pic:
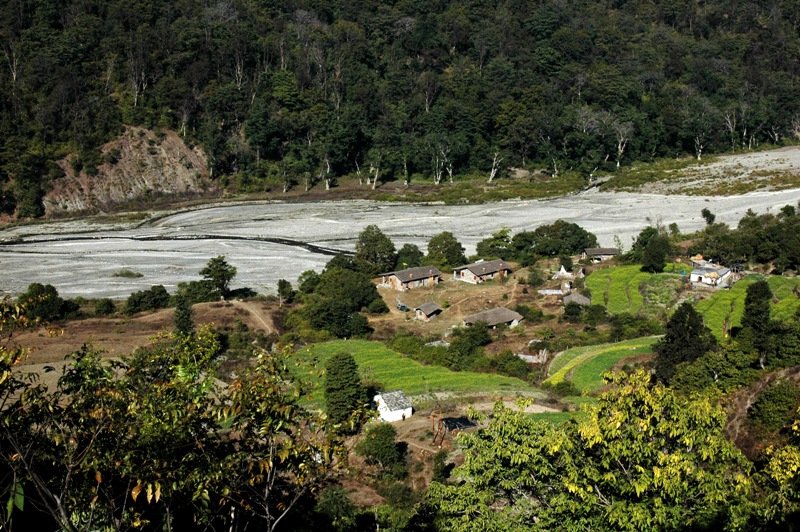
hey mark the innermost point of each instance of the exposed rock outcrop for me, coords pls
(140, 165)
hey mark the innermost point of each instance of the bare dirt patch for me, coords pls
(736, 173)
(116, 337)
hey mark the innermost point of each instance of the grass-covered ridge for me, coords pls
(394, 371)
(584, 366)
(723, 310)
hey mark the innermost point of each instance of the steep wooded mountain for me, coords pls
(287, 94)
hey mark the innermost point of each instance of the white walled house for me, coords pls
(716, 276)
(393, 406)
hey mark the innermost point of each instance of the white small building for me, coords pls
(716, 276)
(393, 406)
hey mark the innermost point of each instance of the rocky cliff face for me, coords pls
(139, 166)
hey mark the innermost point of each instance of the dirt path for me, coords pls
(259, 315)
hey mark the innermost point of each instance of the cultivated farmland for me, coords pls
(584, 366)
(723, 310)
(628, 289)
(394, 371)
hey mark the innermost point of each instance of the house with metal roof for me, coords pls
(482, 271)
(712, 275)
(578, 299)
(421, 276)
(426, 311)
(494, 317)
(393, 406)
(599, 254)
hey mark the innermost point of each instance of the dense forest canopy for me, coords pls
(302, 92)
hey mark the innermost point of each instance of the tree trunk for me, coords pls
(496, 160)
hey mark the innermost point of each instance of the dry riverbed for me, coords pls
(268, 241)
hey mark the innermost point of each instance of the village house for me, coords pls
(481, 271)
(578, 299)
(712, 275)
(393, 406)
(494, 317)
(599, 254)
(426, 311)
(708, 273)
(421, 276)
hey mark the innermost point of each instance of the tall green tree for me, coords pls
(444, 250)
(654, 254)
(756, 317)
(184, 320)
(344, 393)
(220, 274)
(409, 256)
(685, 340)
(375, 250)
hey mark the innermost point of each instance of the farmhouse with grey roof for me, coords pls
(426, 311)
(577, 299)
(494, 317)
(409, 278)
(481, 271)
(599, 254)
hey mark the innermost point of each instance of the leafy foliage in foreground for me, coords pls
(644, 458)
(155, 441)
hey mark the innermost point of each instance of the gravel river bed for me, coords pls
(268, 241)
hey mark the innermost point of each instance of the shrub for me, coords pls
(535, 278)
(774, 406)
(42, 302)
(104, 307)
(155, 297)
(441, 469)
(397, 494)
(406, 343)
(377, 306)
(531, 314)
(127, 274)
(563, 388)
(510, 364)
(198, 291)
(379, 447)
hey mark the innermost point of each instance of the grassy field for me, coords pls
(584, 366)
(393, 371)
(725, 307)
(628, 289)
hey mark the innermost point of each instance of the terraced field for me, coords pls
(724, 309)
(379, 364)
(619, 289)
(584, 366)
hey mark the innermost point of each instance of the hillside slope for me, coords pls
(140, 165)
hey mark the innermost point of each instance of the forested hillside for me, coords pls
(298, 93)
